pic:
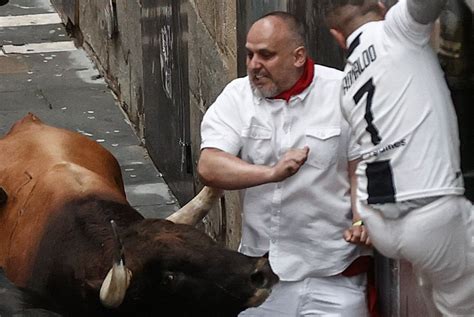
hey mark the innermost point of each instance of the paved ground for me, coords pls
(42, 72)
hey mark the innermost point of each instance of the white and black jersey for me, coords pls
(399, 107)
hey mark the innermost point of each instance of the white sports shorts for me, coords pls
(438, 240)
(333, 296)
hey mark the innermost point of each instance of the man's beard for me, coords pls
(267, 92)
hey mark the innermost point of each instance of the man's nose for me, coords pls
(253, 63)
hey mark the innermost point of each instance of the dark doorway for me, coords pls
(166, 100)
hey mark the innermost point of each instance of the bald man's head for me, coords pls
(275, 53)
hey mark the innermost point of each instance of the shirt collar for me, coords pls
(353, 39)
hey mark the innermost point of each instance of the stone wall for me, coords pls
(111, 31)
(212, 60)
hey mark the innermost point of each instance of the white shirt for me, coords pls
(398, 104)
(300, 220)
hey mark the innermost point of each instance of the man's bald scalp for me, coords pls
(295, 26)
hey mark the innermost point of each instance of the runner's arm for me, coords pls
(425, 11)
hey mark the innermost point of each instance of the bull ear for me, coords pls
(115, 285)
(198, 207)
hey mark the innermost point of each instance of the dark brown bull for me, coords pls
(60, 192)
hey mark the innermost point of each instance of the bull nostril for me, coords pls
(258, 279)
(3, 196)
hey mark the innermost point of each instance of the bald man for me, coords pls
(278, 136)
(410, 185)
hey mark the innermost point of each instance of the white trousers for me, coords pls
(438, 240)
(333, 296)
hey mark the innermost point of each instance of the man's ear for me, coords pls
(300, 56)
(339, 37)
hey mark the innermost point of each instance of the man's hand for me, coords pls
(289, 164)
(357, 234)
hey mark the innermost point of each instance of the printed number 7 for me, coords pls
(369, 89)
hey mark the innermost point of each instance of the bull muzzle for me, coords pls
(3, 197)
(262, 279)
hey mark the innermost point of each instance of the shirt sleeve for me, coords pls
(220, 127)
(399, 24)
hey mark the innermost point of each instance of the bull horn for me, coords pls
(115, 284)
(195, 210)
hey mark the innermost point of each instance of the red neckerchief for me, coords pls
(305, 80)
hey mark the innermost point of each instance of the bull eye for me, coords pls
(258, 279)
(168, 279)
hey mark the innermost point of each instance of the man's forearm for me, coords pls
(425, 11)
(352, 166)
(223, 170)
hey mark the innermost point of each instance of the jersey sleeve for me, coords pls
(399, 24)
(220, 127)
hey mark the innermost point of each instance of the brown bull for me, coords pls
(59, 191)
